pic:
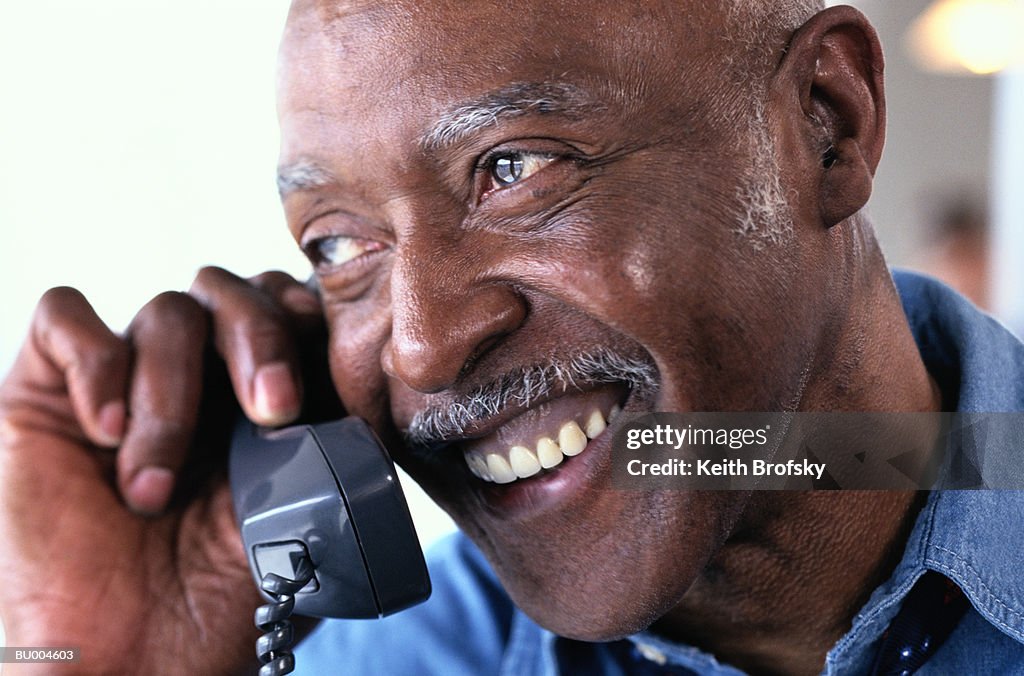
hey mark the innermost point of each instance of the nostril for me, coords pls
(480, 351)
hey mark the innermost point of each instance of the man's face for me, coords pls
(525, 213)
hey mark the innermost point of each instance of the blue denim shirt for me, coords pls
(975, 538)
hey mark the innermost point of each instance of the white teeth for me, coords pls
(523, 462)
(595, 424)
(571, 439)
(548, 453)
(471, 464)
(478, 466)
(501, 471)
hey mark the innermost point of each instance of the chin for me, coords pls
(615, 563)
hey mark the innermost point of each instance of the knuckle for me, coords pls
(172, 310)
(169, 425)
(65, 327)
(272, 279)
(157, 439)
(208, 279)
(57, 301)
(12, 434)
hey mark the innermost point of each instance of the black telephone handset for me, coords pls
(325, 526)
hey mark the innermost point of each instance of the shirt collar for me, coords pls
(978, 362)
(971, 537)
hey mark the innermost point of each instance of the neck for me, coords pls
(867, 358)
(786, 585)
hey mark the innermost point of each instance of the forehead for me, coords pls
(508, 34)
(359, 59)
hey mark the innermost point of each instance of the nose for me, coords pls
(442, 318)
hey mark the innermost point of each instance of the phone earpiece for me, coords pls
(328, 493)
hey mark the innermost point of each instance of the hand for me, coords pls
(95, 431)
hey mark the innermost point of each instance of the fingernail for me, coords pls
(301, 301)
(275, 397)
(150, 489)
(112, 421)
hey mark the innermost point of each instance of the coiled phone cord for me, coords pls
(273, 647)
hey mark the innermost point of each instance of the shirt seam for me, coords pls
(986, 592)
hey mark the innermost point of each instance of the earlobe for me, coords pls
(833, 70)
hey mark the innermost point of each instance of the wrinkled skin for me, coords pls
(559, 262)
(625, 236)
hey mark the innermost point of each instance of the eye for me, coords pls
(509, 168)
(332, 252)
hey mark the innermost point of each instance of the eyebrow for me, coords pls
(463, 120)
(514, 100)
(302, 175)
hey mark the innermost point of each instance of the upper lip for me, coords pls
(481, 409)
(484, 427)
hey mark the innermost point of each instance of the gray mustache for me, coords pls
(521, 387)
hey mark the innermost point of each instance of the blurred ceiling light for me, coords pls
(969, 36)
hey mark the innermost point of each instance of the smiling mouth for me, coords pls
(520, 435)
(540, 439)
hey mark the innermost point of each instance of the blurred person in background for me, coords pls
(958, 249)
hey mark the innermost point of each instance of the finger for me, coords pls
(300, 299)
(253, 336)
(303, 301)
(70, 347)
(168, 336)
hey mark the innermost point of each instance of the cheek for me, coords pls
(357, 336)
(672, 273)
(638, 244)
(628, 258)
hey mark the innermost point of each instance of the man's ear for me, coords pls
(830, 88)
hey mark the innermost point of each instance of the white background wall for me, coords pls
(138, 142)
(1008, 199)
